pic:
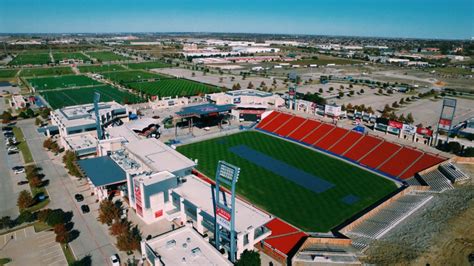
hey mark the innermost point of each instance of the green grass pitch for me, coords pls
(123, 77)
(67, 56)
(61, 98)
(100, 68)
(31, 59)
(50, 71)
(173, 87)
(8, 73)
(105, 56)
(148, 65)
(310, 211)
(53, 83)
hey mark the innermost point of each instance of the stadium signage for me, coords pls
(138, 198)
(444, 123)
(395, 124)
(409, 129)
(223, 218)
(424, 131)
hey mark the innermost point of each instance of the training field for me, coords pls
(31, 59)
(100, 68)
(53, 83)
(173, 87)
(104, 56)
(8, 73)
(309, 189)
(123, 77)
(68, 97)
(68, 56)
(50, 71)
(148, 65)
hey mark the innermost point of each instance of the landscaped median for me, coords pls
(23, 146)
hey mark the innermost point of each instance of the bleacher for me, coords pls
(437, 181)
(391, 159)
(384, 220)
(452, 172)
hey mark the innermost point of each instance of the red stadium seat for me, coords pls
(401, 161)
(380, 154)
(346, 142)
(426, 161)
(294, 123)
(365, 145)
(333, 137)
(268, 119)
(318, 133)
(304, 129)
(276, 123)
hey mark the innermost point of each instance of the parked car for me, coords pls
(22, 183)
(12, 148)
(19, 171)
(12, 152)
(7, 128)
(114, 260)
(85, 209)
(79, 197)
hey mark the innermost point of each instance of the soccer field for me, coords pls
(8, 73)
(61, 98)
(173, 87)
(53, 83)
(123, 77)
(67, 56)
(309, 189)
(100, 68)
(105, 56)
(47, 71)
(148, 65)
(31, 59)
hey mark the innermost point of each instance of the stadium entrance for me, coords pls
(204, 115)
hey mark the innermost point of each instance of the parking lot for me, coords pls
(26, 247)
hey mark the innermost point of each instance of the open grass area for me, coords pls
(8, 73)
(70, 56)
(68, 97)
(31, 59)
(324, 60)
(128, 76)
(40, 226)
(47, 71)
(68, 254)
(4, 261)
(106, 56)
(173, 87)
(23, 146)
(271, 181)
(53, 83)
(100, 68)
(148, 65)
(454, 70)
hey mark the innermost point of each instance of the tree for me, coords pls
(6, 117)
(47, 143)
(454, 147)
(38, 121)
(42, 215)
(341, 94)
(395, 105)
(320, 90)
(6, 222)
(369, 110)
(35, 181)
(343, 107)
(221, 79)
(128, 241)
(402, 101)
(108, 212)
(349, 106)
(249, 258)
(193, 74)
(362, 91)
(380, 91)
(250, 86)
(55, 217)
(262, 84)
(410, 119)
(25, 200)
(119, 228)
(62, 235)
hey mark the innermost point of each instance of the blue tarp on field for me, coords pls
(350, 199)
(283, 169)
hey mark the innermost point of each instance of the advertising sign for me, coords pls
(444, 124)
(138, 198)
(424, 131)
(332, 110)
(408, 129)
(291, 91)
(223, 218)
(237, 100)
(395, 124)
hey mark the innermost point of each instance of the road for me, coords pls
(93, 239)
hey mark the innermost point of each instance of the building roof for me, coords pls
(158, 156)
(102, 171)
(199, 193)
(185, 246)
(284, 237)
(204, 109)
(83, 114)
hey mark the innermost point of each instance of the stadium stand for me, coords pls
(307, 127)
(293, 124)
(330, 139)
(427, 160)
(437, 181)
(383, 221)
(402, 160)
(391, 159)
(346, 142)
(363, 147)
(452, 172)
(319, 133)
(379, 155)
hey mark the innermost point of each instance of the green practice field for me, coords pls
(67, 56)
(270, 168)
(324, 60)
(53, 83)
(105, 56)
(31, 59)
(123, 77)
(8, 73)
(173, 87)
(50, 71)
(100, 68)
(68, 97)
(148, 65)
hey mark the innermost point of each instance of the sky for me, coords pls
(440, 19)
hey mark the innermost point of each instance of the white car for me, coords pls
(12, 148)
(19, 171)
(114, 259)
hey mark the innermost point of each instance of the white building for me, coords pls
(254, 49)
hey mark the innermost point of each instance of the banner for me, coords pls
(138, 199)
(444, 124)
(223, 218)
(424, 131)
(251, 111)
(409, 129)
(395, 124)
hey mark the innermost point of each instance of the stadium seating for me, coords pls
(294, 123)
(452, 172)
(319, 133)
(267, 119)
(401, 161)
(333, 137)
(365, 145)
(424, 162)
(277, 122)
(304, 129)
(346, 142)
(380, 154)
(437, 181)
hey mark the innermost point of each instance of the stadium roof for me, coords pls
(102, 171)
(284, 237)
(204, 109)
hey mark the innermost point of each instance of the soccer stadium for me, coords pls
(311, 174)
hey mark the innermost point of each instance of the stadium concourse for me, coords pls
(390, 159)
